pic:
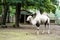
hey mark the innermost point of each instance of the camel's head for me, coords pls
(29, 18)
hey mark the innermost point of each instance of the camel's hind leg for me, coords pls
(47, 23)
(43, 31)
(48, 26)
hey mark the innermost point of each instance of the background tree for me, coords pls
(16, 3)
(0, 8)
(43, 5)
(4, 12)
(55, 2)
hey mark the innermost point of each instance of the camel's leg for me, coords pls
(49, 28)
(44, 28)
(37, 30)
(37, 24)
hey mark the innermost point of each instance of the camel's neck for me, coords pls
(31, 19)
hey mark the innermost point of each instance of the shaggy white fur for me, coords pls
(37, 20)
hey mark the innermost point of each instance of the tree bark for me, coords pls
(8, 15)
(4, 15)
(17, 14)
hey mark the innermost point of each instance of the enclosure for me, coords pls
(14, 13)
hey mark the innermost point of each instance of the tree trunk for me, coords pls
(4, 15)
(17, 14)
(8, 15)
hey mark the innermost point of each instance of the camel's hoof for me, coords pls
(49, 32)
(43, 32)
(37, 33)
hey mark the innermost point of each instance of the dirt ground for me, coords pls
(28, 32)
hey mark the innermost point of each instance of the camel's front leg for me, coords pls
(37, 30)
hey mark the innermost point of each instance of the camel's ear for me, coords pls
(31, 15)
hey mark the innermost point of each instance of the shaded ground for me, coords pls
(28, 32)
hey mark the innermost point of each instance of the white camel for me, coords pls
(38, 19)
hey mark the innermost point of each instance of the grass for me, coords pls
(24, 35)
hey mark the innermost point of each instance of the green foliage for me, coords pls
(14, 1)
(12, 10)
(43, 5)
(0, 1)
(54, 2)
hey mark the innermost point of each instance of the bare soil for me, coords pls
(28, 32)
